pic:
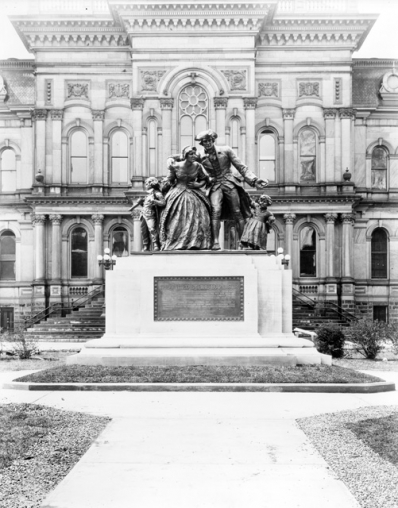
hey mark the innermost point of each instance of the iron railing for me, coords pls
(344, 314)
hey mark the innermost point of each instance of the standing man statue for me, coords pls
(228, 199)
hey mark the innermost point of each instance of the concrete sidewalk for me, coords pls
(191, 450)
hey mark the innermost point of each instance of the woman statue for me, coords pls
(185, 221)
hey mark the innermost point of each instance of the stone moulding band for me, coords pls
(173, 302)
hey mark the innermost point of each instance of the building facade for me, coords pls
(114, 89)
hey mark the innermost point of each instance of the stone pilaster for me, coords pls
(348, 220)
(220, 105)
(98, 117)
(40, 118)
(98, 219)
(56, 220)
(166, 105)
(289, 219)
(330, 243)
(288, 119)
(330, 116)
(346, 115)
(57, 117)
(137, 105)
(250, 104)
(137, 243)
(40, 247)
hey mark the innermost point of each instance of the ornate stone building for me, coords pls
(115, 88)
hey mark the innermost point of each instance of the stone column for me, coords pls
(220, 105)
(337, 148)
(137, 243)
(250, 104)
(243, 143)
(40, 116)
(322, 153)
(40, 247)
(330, 220)
(289, 219)
(347, 244)
(161, 162)
(329, 115)
(27, 154)
(166, 106)
(145, 162)
(57, 116)
(98, 219)
(99, 162)
(346, 115)
(56, 247)
(360, 172)
(288, 119)
(137, 105)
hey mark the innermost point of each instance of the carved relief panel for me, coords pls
(309, 89)
(118, 90)
(269, 89)
(77, 90)
(150, 79)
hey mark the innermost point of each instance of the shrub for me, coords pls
(330, 340)
(21, 343)
(369, 337)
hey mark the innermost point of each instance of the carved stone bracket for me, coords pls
(166, 103)
(288, 114)
(137, 103)
(220, 102)
(250, 102)
(98, 114)
(268, 89)
(348, 218)
(38, 219)
(40, 114)
(56, 219)
(289, 218)
(57, 114)
(330, 218)
(347, 113)
(329, 113)
(97, 218)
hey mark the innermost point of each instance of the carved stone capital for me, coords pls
(40, 114)
(166, 103)
(329, 113)
(97, 218)
(137, 103)
(136, 214)
(57, 114)
(288, 114)
(330, 218)
(56, 219)
(250, 102)
(289, 218)
(347, 113)
(98, 114)
(220, 102)
(38, 219)
(348, 218)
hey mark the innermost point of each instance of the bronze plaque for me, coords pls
(198, 299)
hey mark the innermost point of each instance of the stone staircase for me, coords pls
(80, 325)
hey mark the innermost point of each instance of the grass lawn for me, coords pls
(199, 374)
(45, 360)
(38, 447)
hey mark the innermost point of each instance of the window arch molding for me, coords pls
(384, 144)
(152, 122)
(213, 81)
(77, 125)
(17, 237)
(263, 130)
(307, 172)
(109, 133)
(305, 124)
(112, 226)
(320, 232)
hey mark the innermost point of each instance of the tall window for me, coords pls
(267, 156)
(120, 242)
(8, 171)
(307, 252)
(307, 147)
(79, 252)
(7, 255)
(152, 142)
(119, 157)
(78, 158)
(379, 254)
(235, 135)
(379, 168)
(193, 113)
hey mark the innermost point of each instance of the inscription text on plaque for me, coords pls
(198, 299)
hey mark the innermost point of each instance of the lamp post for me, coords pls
(283, 259)
(106, 260)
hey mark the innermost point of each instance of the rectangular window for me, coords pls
(119, 170)
(380, 313)
(6, 318)
(78, 167)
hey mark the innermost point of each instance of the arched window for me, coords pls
(78, 157)
(379, 246)
(235, 135)
(307, 155)
(7, 255)
(152, 145)
(307, 252)
(267, 156)
(379, 168)
(119, 157)
(8, 171)
(120, 242)
(79, 246)
(193, 113)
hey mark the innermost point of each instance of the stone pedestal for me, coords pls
(198, 307)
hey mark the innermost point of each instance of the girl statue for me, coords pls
(257, 227)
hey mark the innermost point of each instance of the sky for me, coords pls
(380, 43)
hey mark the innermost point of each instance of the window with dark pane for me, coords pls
(379, 168)
(8, 171)
(78, 159)
(380, 313)
(307, 143)
(119, 157)
(120, 242)
(79, 252)
(6, 318)
(7, 255)
(267, 156)
(379, 246)
(307, 252)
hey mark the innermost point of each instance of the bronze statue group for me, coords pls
(184, 211)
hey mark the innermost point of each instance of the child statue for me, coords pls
(149, 216)
(256, 229)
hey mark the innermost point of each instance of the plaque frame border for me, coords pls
(240, 279)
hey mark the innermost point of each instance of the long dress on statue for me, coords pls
(185, 220)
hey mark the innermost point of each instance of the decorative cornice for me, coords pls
(56, 219)
(330, 218)
(220, 102)
(97, 218)
(57, 114)
(137, 103)
(166, 103)
(329, 113)
(289, 218)
(250, 102)
(98, 114)
(288, 114)
(40, 114)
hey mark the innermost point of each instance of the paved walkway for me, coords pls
(201, 450)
